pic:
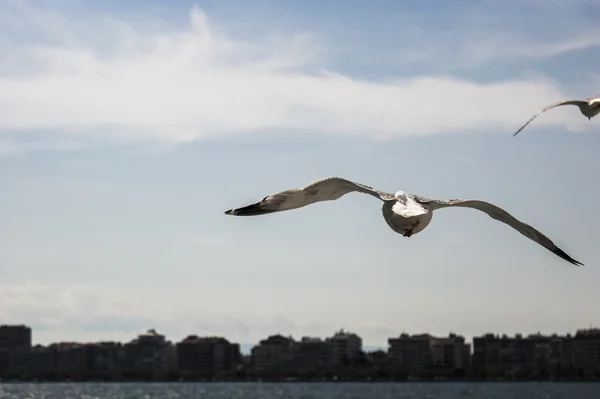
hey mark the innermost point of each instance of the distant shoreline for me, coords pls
(453, 381)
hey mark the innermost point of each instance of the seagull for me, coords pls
(589, 107)
(405, 213)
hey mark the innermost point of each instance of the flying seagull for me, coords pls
(589, 107)
(405, 213)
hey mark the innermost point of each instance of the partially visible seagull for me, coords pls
(405, 213)
(589, 107)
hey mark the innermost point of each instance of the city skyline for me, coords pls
(246, 347)
(152, 356)
(128, 128)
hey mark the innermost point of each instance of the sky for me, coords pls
(128, 128)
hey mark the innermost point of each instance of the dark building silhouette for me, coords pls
(103, 360)
(584, 350)
(206, 356)
(151, 357)
(15, 337)
(15, 344)
(71, 360)
(425, 355)
(274, 356)
(345, 349)
(311, 353)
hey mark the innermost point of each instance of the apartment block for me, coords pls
(345, 349)
(502, 356)
(71, 360)
(585, 349)
(206, 356)
(149, 354)
(15, 337)
(417, 354)
(311, 353)
(410, 353)
(103, 359)
(274, 355)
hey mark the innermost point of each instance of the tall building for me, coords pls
(451, 352)
(345, 349)
(15, 350)
(274, 355)
(415, 354)
(149, 355)
(15, 337)
(311, 353)
(585, 349)
(71, 360)
(410, 353)
(103, 359)
(206, 356)
(42, 362)
(518, 356)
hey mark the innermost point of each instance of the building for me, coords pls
(103, 359)
(410, 354)
(311, 353)
(71, 360)
(451, 352)
(558, 350)
(19, 363)
(274, 355)
(41, 362)
(419, 354)
(206, 357)
(585, 350)
(149, 356)
(512, 357)
(15, 337)
(345, 349)
(4, 364)
(378, 360)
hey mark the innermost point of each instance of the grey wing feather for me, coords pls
(344, 186)
(503, 216)
(327, 189)
(558, 104)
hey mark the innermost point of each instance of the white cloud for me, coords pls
(195, 82)
(507, 45)
(87, 314)
(497, 34)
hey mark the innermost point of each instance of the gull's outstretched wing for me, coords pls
(570, 102)
(328, 189)
(502, 216)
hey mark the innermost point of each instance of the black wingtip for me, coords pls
(249, 210)
(566, 257)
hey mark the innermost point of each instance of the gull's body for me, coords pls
(589, 108)
(406, 214)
